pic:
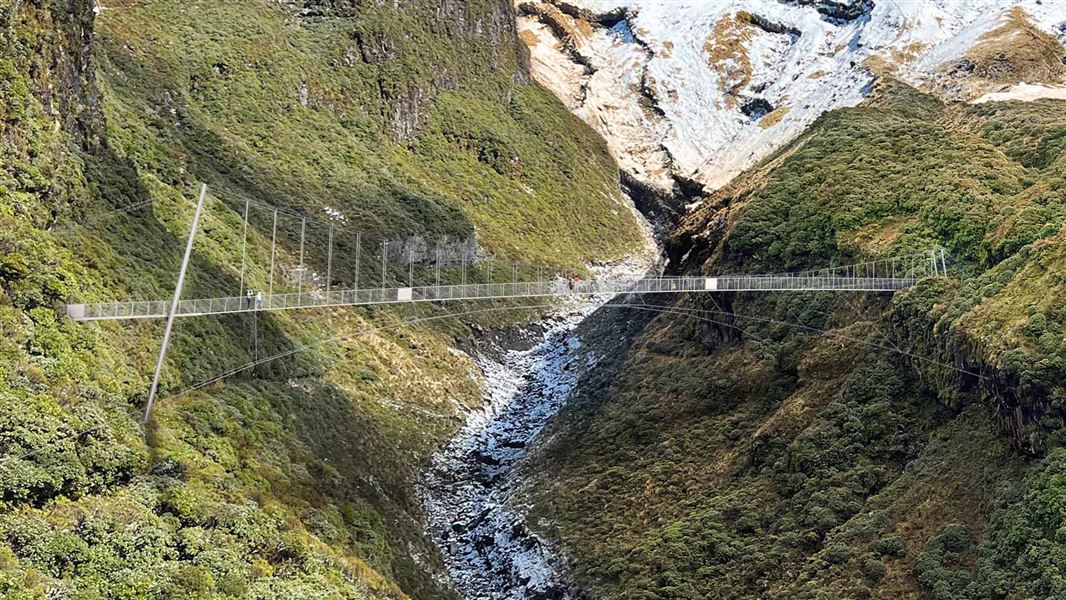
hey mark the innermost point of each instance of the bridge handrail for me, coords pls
(473, 291)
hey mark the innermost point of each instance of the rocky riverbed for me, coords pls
(470, 494)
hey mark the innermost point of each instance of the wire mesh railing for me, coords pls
(485, 291)
(884, 275)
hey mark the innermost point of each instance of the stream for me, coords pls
(469, 494)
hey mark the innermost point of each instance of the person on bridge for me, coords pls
(259, 300)
(574, 280)
(248, 299)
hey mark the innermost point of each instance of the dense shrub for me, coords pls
(848, 455)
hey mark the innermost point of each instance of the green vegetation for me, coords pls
(294, 478)
(808, 446)
(287, 110)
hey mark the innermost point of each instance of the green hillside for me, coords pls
(293, 479)
(817, 446)
(725, 446)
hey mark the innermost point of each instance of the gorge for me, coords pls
(719, 445)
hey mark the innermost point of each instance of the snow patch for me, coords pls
(1025, 92)
(665, 107)
(333, 214)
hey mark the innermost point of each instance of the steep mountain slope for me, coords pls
(293, 478)
(810, 446)
(702, 90)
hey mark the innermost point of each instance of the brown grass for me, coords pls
(774, 117)
(528, 37)
(1017, 51)
(568, 30)
(908, 53)
(877, 238)
(878, 66)
(727, 52)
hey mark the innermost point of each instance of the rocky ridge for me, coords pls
(705, 90)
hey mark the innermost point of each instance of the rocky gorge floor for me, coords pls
(471, 494)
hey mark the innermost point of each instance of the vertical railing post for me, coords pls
(411, 266)
(358, 245)
(300, 281)
(174, 305)
(384, 262)
(273, 251)
(329, 266)
(438, 269)
(244, 247)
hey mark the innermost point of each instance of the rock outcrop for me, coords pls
(685, 89)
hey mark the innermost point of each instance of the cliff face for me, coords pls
(50, 43)
(483, 28)
(50, 103)
(707, 89)
(811, 445)
(294, 475)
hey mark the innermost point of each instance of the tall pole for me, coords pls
(244, 246)
(174, 305)
(384, 262)
(943, 262)
(438, 268)
(273, 253)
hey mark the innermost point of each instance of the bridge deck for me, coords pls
(157, 309)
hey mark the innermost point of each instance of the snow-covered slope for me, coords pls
(703, 89)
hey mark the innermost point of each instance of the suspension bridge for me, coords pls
(853, 278)
(885, 275)
(880, 276)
